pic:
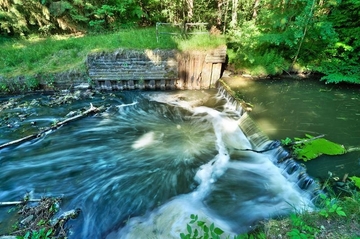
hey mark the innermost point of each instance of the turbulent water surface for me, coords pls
(141, 167)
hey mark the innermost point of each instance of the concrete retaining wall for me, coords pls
(156, 69)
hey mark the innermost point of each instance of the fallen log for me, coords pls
(92, 109)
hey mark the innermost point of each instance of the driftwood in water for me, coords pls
(307, 140)
(92, 109)
(18, 202)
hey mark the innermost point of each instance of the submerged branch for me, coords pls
(353, 149)
(307, 140)
(92, 109)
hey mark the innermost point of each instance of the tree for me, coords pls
(283, 33)
(343, 57)
(21, 17)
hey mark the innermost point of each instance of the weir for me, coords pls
(251, 178)
(261, 142)
(156, 69)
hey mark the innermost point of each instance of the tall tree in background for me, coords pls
(255, 10)
(307, 21)
(190, 8)
(234, 13)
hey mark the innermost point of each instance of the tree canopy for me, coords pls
(266, 36)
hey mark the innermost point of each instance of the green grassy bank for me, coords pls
(29, 58)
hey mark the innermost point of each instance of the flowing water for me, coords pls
(292, 108)
(141, 167)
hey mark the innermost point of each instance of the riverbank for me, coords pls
(58, 62)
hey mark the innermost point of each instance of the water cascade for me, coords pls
(139, 169)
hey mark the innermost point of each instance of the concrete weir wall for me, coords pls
(156, 69)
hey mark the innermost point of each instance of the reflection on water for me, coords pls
(293, 108)
(148, 162)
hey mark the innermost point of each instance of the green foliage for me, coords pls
(32, 83)
(300, 228)
(282, 33)
(310, 147)
(256, 63)
(202, 41)
(264, 37)
(286, 142)
(46, 17)
(356, 180)
(40, 234)
(343, 211)
(330, 207)
(20, 17)
(341, 63)
(338, 77)
(4, 87)
(46, 56)
(247, 52)
(109, 16)
(202, 231)
(296, 234)
(197, 229)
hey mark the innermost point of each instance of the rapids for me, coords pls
(142, 167)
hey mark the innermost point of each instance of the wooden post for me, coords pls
(152, 84)
(215, 73)
(191, 76)
(180, 84)
(131, 85)
(206, 75)
(108, 85)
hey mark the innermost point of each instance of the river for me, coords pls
(151, 159)
(287, 107)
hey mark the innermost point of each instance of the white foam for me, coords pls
(235, 189)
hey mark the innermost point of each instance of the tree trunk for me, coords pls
(225, 14)
(190, 8)
(256, 5)
(304, 34)
(235, 4)
(219, 13)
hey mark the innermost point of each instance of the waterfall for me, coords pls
(251, 178)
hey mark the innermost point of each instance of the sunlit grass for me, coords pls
(201, 42)
(24, 57)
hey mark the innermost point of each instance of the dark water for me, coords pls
(141, 167)
(292, 108)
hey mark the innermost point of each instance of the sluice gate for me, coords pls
(156, 69)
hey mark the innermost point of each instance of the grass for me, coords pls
(34, 55)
